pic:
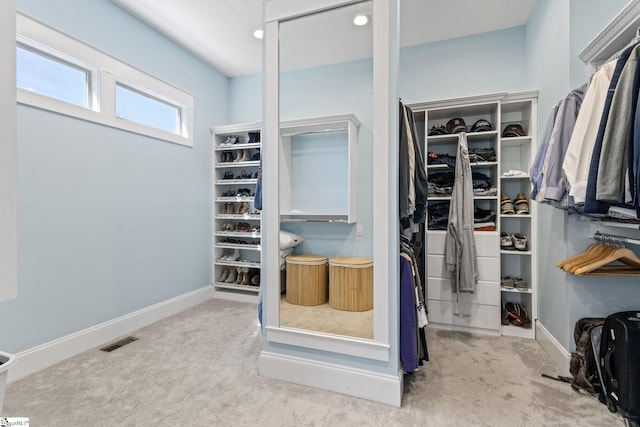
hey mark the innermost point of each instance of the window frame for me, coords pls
(106, 72)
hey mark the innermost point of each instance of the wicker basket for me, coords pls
(351, 283)
(306, 279)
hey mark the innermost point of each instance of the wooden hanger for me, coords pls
(596, 258)
(623, 255)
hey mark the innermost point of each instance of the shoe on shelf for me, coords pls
(233, 275)
(228, 175)
(506, 241)
(522, 204)
(517, 314)
(506, 205)
(507, 282)
(223, 275)
(239, 275)
(505, 315)
(520, 283)
(519, 241)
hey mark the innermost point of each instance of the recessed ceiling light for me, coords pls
(360, 19)
(258, 33)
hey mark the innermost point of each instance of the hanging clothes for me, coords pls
(460, 244)
(591, 204)
(612, 168)
(578, 155)
(594, 137)
(413, 313)
(412, 191)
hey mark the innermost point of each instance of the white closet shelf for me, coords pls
(338, 123)
(238, 146)
(473, 165)
(516, 177)
(238, 263)
(238, 216)
(236, 181)
(247, 247)
(516, 290)
(516, 141)
(313, 217)
(517, 331)
(233, 199)
(245, 288)
(237, 234)
(516, 216)
(508, 252)
(225, 165)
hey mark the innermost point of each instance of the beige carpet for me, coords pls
(324, 318)
(199, 368)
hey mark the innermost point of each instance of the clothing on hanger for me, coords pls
(460, 244)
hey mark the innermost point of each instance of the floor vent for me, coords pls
(116, 345)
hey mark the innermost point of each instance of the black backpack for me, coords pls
(583, 365)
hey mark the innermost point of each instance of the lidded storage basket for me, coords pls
(306, 279)
(351, 283)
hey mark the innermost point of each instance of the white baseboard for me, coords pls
(368, 385)
(552, 347)
(236, 296)
(48, 354)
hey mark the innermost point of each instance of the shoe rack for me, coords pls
(518, 275)
(236, 224)
(481, 311)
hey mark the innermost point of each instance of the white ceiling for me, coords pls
(220, 32)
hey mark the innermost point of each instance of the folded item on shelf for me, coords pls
(441, 159)
(515, 173)
(622, 213)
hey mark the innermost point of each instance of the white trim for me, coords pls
(8, 156)
(106, 72)
(283, 10)
(553, 348)
(619, 32)
(369, 385)
(251, 298)
(48, 354)
(386, 282)
(331, 343)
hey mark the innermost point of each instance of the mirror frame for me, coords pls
(385, 180)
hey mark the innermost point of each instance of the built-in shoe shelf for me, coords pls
(236, 152)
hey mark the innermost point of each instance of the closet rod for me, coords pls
(614, 240)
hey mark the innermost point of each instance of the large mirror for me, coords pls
(325, 171)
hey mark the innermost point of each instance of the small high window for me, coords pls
(39, 72)
(140, 107)
(58, 73)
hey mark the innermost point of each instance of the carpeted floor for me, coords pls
(199, 368)
(323, 318)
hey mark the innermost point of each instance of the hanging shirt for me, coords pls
(578, 155)
(591, 205)
(612, 169)
(553, 182)
(460, 245)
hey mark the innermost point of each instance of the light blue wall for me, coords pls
(474, 65)
(557, 31)
(547, 48)
(593, 296)
(109, 222)
(588, 17)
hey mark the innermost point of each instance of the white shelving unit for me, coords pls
(516, 153)
(481, 311)
(318, 169)
(236, 224)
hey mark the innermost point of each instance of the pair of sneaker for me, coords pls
(515, 241)
(520, 206)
